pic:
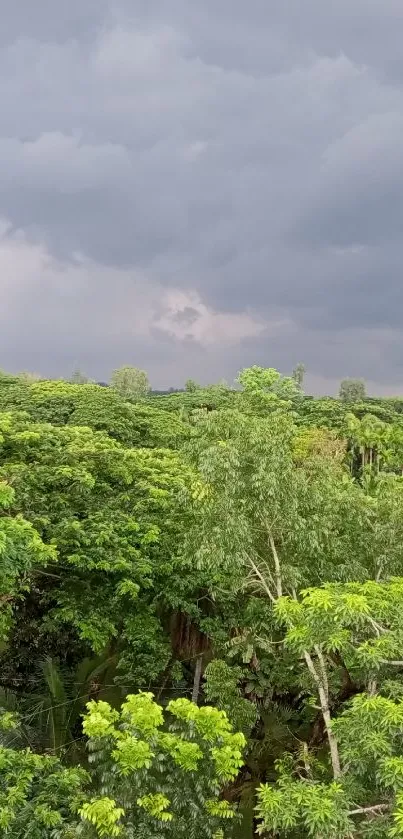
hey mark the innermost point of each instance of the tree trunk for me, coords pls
(321, 684)
(277, 567)
(196, 680)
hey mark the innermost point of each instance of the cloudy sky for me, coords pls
(193, 186)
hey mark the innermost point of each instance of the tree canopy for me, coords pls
(130, 382)
(201, 614)
(352, 390)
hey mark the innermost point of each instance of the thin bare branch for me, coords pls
(305, 755)
(376, 808)
(259, 575)
(377, 626)
(395, 663)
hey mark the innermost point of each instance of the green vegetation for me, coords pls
(201, 610)
(130, 382)
(352, 390)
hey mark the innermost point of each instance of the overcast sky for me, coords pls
(194, 186)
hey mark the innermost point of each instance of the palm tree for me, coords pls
(50, 719)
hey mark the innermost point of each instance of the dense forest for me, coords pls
(201, 625)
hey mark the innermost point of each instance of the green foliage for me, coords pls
(28, 377)
(321, 413)
(352, 390)
(353, 629)
(22, 551)
(61, 700)
(79, 378)
(154, 772)
(39, 797)
(114, 515)
(265, 389)
(255, 503)
(296, 808)
(223, 690)
(210, 398)
(239, 545)
(298, 374)
(103, 814)
(100, 408)
(191, 386)
(151, 771)
(130, 382)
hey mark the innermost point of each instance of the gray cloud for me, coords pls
(229, 175)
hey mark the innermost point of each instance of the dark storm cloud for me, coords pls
(248, 154)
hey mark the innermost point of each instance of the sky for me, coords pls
(195, 186)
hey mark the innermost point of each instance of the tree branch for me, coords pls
(395, 663)
(262, 579)
(376, 808)
(322, 667)
(277, 567)
(324, 704)
(377, 627)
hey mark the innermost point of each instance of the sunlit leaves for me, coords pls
(164, 768)
(315, 810)
(104, 815)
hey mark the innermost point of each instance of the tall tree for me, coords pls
(130, 382)
(78, 378)
(298, 374)
(265, 389)
(352, 390)
(277, 513)
(191, 386)
(349, 633)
